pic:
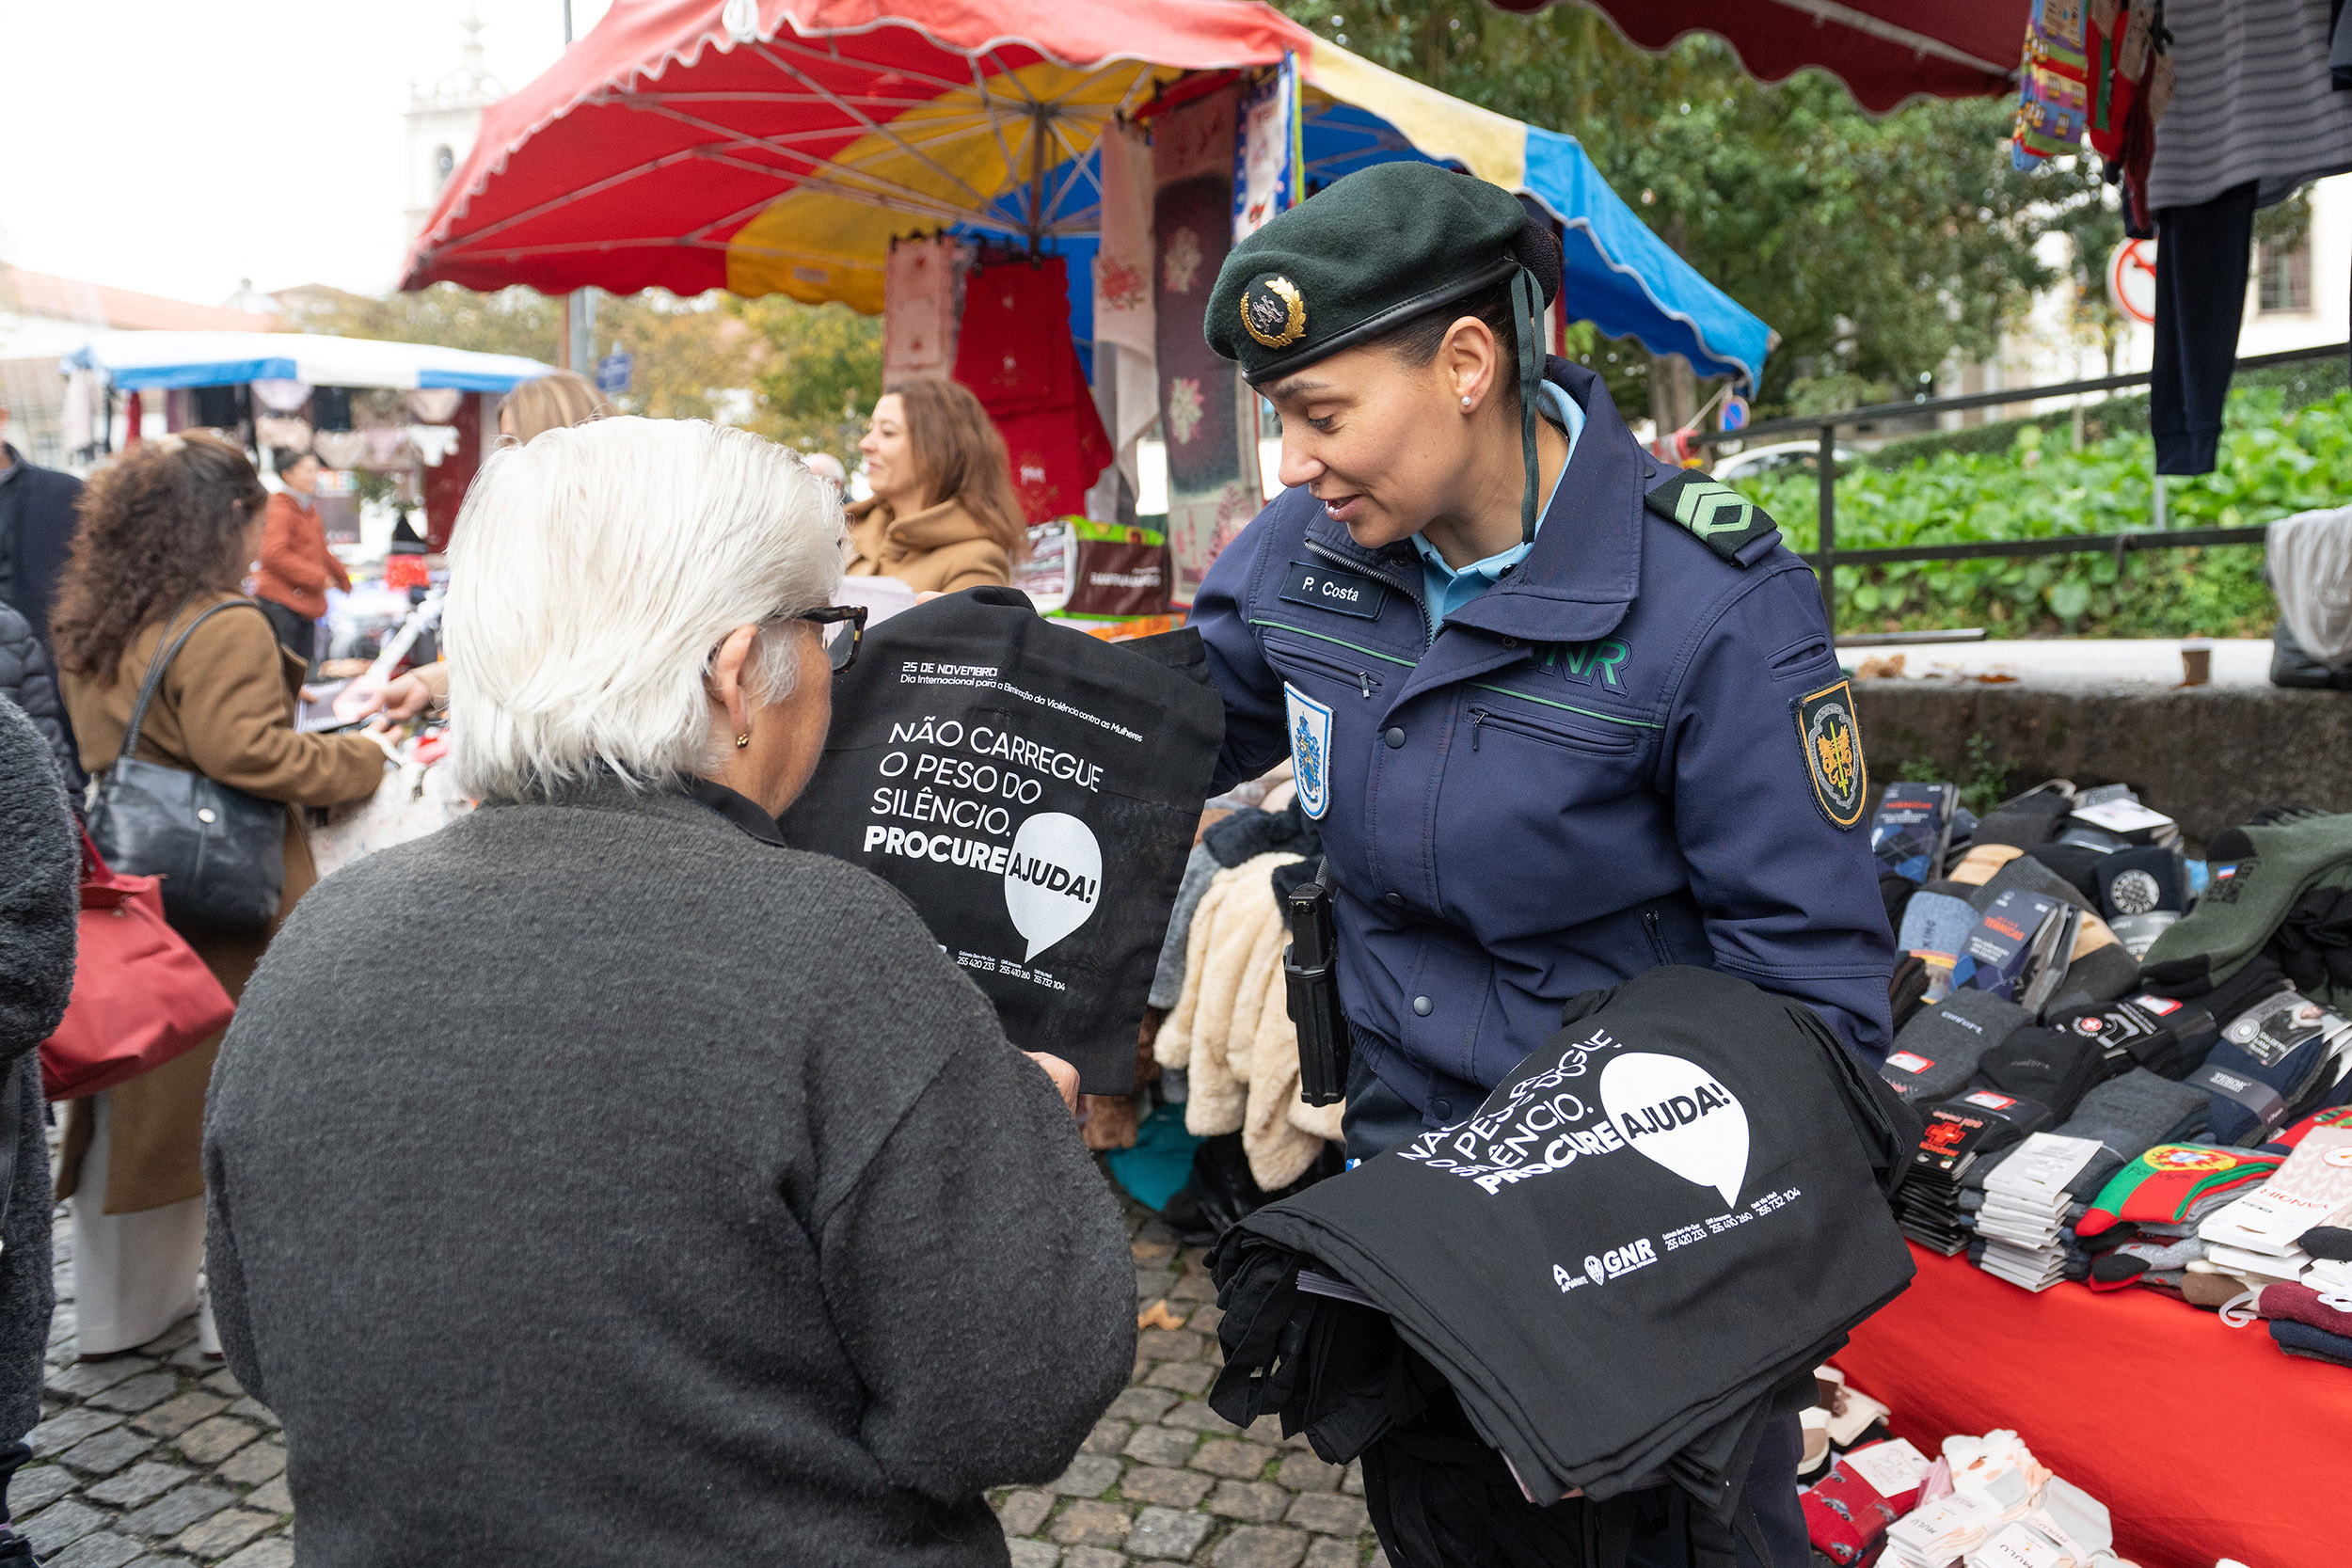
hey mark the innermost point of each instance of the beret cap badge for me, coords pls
(1273, 311)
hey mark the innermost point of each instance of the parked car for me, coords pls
(1756, 461)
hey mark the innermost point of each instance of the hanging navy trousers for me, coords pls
(2201, 258)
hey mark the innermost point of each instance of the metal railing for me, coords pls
(1827, 556)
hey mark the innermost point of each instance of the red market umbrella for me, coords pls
(769, 145)
(1884, 51)
(780, 146)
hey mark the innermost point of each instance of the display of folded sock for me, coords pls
(2175, 1183)
(1977, 865)
(2317, 1344)
(1936, 1053)
(2139, 880)
(2066, 1526)
(2118, 1271)
(2269, 1052)
(2256, 1268)
(2026, 1197)
(2255, 1234)
(2025, 822)
(1961, 1134)
(2083, 1518)
(2290, 1139)
(2162, 1253)
(1936, 922)
(2077, 863)
(2029, 875)
(2053, 1066)
(2206, 1285)
(2022, 1218)
(2125, 1116)
(2014, 950)
(2139, 932)
(1942, 1533)
(2303, 1305)
(1997, 1470)
(2331, 1275)
(1846, 1513)
(2167, 1036)
(2331, 1243)
(2098, 973)
(2030, 1269)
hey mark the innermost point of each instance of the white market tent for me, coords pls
(147, 361)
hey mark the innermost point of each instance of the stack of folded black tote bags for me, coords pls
(1605, 1282)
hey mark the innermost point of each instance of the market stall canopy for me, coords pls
(1884, 51)
(778, 146)
(146, 361)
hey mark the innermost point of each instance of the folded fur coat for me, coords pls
(1231, 1030)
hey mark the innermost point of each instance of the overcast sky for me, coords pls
(177, 146)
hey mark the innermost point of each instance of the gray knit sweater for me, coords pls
(41, 867)
(593, 1183)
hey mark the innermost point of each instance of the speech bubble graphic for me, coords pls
(1674, 1111)
(1053, 880)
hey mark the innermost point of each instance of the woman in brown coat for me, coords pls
(168, 531)
(942, 515)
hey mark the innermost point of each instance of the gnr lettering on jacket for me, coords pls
(1584, 663)
(1334, 588)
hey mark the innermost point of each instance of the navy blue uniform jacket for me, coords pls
(1590, 769)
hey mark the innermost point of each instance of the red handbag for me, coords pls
(141, 996)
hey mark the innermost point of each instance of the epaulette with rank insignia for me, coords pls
(1717, 515)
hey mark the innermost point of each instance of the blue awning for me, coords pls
(152, 360)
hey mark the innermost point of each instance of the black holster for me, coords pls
(1310, 976)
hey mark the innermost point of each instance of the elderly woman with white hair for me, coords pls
(699, 1210)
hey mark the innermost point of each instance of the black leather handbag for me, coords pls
(2290, 665)
(220, 851)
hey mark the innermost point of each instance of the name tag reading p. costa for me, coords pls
(1333, 588)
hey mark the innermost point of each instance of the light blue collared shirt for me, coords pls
(1448, 590)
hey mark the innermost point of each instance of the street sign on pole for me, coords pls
(1735, 414)
(2131, 280)
(613, 372)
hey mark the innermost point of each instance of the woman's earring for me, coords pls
(1466, 400)
(741, 741)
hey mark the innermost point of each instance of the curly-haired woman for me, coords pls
(168, 531)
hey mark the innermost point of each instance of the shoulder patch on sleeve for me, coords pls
(1832, 743)
(1717, 515)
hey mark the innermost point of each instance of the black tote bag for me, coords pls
(1032, 791)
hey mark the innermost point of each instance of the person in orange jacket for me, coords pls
(297, 567)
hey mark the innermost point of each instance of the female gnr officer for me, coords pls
(1548, 747)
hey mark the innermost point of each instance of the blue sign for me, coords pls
(1735, 414)
(612, 373)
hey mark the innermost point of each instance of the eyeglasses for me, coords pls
(843, 626)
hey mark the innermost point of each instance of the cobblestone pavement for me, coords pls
(1165, 1479)
(154, 1459)
(159, 1459)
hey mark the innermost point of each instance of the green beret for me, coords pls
(1364, 256)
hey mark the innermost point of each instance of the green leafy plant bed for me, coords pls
(2273, 462)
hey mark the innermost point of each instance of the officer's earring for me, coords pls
(741, 741)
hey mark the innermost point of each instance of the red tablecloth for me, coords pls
(2204, 1441)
